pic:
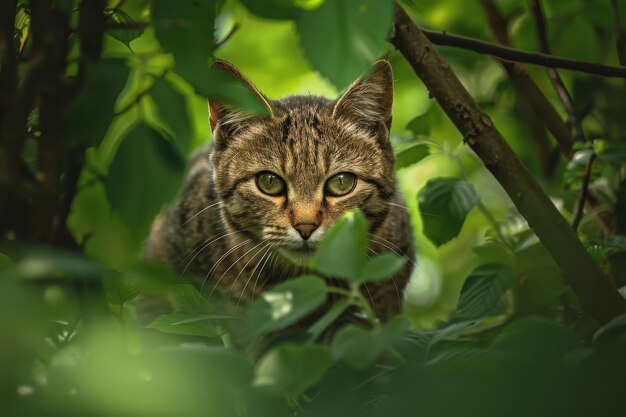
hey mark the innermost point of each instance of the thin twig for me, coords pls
(619, 41)
(555, 78)
(526, 87)
(584, 191)
(518, 55)
(596, 296)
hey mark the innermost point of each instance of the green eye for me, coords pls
(340, 184)
(270, 183)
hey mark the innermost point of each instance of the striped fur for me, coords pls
(233, 240)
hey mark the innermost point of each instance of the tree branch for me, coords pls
(518, 55)
(555, 78)
(50, 31)
(526, 87)
(597, 297)
(584, 190)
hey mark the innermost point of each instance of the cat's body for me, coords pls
(235, 235)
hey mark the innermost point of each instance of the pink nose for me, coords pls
(305, 229)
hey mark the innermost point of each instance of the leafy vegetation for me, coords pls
(101, 103)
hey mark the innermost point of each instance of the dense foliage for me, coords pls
(102, 102)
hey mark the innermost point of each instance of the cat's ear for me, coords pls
(369, 99)
(228, 117)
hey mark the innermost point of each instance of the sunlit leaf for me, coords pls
(286, 303)
(145, 174)
(444, 204)
(342, 38)
(382, 267)
(411, 155)
(292, 369)
(342, 252)
(128, 29)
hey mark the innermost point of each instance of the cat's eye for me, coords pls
(270, 183)
(340, 184)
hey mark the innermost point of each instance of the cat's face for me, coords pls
(285, 178)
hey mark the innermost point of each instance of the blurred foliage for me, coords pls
(489, 327)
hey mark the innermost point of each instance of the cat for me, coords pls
(259, 199)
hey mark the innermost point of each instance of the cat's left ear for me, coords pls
(227, 116)
(369, 99)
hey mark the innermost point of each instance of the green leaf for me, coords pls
(613, 151)
(118, 289)
(537, 337)
(91, 113)
(360, 347)
(183, 324)
(342, 38)
(342, 252)
(444, 204)
(421, 125)
(128, 29)
(146, 173)
(381, 267)
(189, 300)
(412, 155)
(185, 28)
(172, 109)
(286, 303)
(482, 292)
(292, 369)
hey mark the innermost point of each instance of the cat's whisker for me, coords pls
(257, 278)
(218, 230)
(393, 245)
(204, 247)
(246, 265)
(219, 261)
(407, 209)
(369, 294)
(250, 277)
(235, 262)
(198, 213)
(397, 205)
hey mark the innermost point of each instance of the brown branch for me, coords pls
(518, 55)
(50, 31)
(10, 147)
(597, 297)
(526, 87)
(619, 41)
(555, 78)
(584, 190)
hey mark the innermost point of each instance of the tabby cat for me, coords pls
(259, 199)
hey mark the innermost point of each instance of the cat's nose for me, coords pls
(305, 229)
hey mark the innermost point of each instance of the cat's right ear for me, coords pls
(228, 118)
